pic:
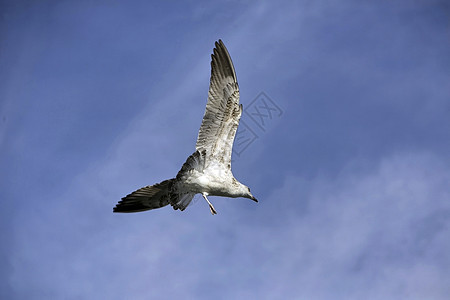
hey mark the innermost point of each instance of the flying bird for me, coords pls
(208, 170)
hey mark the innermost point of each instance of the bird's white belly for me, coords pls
(211, 183)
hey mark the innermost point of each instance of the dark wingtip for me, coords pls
(117, 210)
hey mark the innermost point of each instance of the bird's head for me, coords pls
(245, 192)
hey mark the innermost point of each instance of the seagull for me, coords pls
(208, 170)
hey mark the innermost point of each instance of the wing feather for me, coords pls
(146, 198)
(222, 111)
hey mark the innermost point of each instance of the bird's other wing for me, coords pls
(146, 198)
(180, 197)
(223, 111)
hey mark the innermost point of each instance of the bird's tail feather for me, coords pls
(181, 201)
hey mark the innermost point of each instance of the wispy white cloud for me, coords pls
(375, 234)
(371, 230)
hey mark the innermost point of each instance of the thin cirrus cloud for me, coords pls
(101, 100)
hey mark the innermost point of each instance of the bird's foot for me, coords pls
(213, 211)
(211, 207)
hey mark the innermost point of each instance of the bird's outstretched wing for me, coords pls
(146, 198)
(223, 111)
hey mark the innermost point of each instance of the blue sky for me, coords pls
(100, 98)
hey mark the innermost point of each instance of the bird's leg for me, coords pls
(211, 207)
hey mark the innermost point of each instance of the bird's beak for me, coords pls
(254, 199)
